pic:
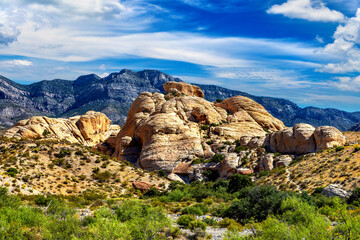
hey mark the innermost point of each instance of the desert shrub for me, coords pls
(221, 184)
(197, 209)
(204, 127)
(211, 175)
(46, 133)
(218, 100)
(12, 172)
(218, 157)
(238, 182)
(63, 153)
(41, 200)
(152, 192)
(185, 220)
(177, 195)
(339, 148)
(254, 202)
(239, 149)
(161, 173)
(355, 197)
(197, 224)
(198, 160)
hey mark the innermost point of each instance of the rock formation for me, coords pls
(168, 131)
(89, 129)
(183, 88)
(304, 138)
(335, 190)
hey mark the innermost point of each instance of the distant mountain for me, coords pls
(289, 112)
(114, 94)
(355, 128)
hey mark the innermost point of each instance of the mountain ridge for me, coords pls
(114, 94)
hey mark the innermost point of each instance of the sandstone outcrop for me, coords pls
(304, 138)
(328, 137)
(184, 88)
(89, 129)
(168, 131)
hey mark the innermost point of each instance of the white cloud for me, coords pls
(351, 84)
(67, 43)
(312, 10)
(345, 48)
(10, 19)
(16, 63)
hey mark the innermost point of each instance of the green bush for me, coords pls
(185, 220)
(197, 209)
(238, 182)
(217, 158)
(339, 148)
(12, 172)
(205, 127)
(254, 203)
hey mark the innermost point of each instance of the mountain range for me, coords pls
(114, 94)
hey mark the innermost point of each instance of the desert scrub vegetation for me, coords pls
(129, 219)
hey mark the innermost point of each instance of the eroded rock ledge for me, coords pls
(89, 129)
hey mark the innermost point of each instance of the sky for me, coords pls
(307, 51)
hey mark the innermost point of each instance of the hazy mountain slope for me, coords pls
(113, 95)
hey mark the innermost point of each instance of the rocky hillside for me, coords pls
(182, 135)
(114, 94)
(58, 167)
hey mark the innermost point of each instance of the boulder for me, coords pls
(282, 161)
(244, 109)
(328, 137)
(143, 186)
(175, 177)
(267, 162)
(88, 129)
(229, 165)
(244, 171)
(183, 87)
(304, 138)
(298, 139)
(256, 142)
(335, 190)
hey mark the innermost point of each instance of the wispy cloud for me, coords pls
(15, 63)
(312, 10)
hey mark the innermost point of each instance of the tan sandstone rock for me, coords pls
(89, 129)
(328, 137)
(183, 87)
(164, 132)
(297, 140)
(304, 138)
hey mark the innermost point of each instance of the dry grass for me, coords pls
(325, 167)
(41, 168)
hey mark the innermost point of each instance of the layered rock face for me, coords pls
(89, 129)
(304, 138)
(168, 131)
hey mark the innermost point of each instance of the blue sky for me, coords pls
(303, 50)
